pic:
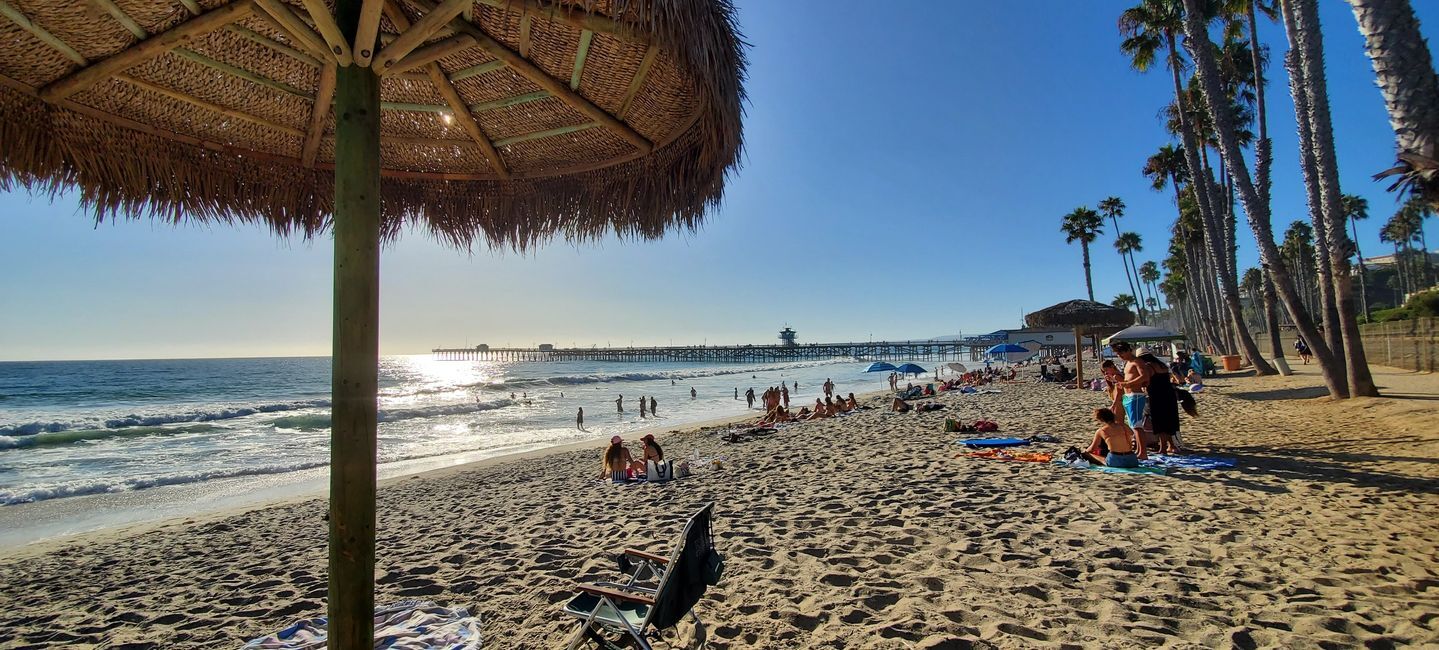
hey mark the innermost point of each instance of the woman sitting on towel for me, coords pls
(653, 451)
(1123, 452)
(852, 405)
(820, 410)
(618, 461)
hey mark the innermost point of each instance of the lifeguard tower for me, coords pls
(786, 337)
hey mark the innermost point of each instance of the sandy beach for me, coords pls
(865, 531)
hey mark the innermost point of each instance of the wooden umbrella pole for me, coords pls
(1078, 358)
(356, 350)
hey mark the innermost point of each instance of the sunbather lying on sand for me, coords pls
(900, 406)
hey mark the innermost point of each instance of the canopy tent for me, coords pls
(1086, 318)
(880, 366)
(1142, 333)
(499, 122)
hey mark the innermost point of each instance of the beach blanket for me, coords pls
(992, 442)
(406, 625)
(1000, 454)
(1113, 470)
(1189, 462)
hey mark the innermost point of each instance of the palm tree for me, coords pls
(1396, 232)
(1113, 207)
(1356, 209)
(1149, 274)
(1123, 301)
(1148, 27)
(1127, 243)
(1416, 212)
(1252, 283)
(1084, 226)
(1406, 76)
(1311, 93)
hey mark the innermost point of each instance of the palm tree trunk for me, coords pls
(1405, 71)
(1363, 278)
(1308, 164)
(1271, 316)
(1316, 91)
(1202, 54)
(1124, 258)
(1088, 281)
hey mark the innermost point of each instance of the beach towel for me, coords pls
(1000, 454)
(406, 625)
(976, 443)
(1188, 462)
(1113, 470)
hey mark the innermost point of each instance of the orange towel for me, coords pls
(1000, 454)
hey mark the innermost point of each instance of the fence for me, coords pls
(1408, 344)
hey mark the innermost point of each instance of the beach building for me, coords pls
(1045, 341)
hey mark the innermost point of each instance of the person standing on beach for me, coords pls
(749, 398)
(1302, 348)
(1135, 383)
(736, 393)
(828, 387)
(580, 419)
(642, 407)
(653, 404)
(620, 404)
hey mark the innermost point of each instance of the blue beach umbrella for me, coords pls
(880, 366)
(1006, 348)
(909, 367)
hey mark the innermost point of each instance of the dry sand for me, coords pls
(859, 532)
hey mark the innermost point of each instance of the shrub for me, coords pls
(1388, 315)
(1424, 304)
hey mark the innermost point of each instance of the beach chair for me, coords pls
(636, 614)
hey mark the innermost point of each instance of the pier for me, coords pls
(969, 349)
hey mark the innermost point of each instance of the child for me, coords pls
(1123, 451)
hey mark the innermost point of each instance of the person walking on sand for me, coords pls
(620, 404)
(580, 419)
(1302, 348)
(653, 404)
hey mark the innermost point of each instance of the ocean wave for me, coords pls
(318, 421)
(79, 435)
(157, 419)
(102, 486)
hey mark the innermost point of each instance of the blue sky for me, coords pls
(905, 174)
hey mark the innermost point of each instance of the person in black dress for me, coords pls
(1163, 403)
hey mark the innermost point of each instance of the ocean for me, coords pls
(91, 444)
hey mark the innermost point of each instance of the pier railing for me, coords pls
(868, 351)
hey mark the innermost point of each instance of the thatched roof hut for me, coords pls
(1086, 318)
(502, 121)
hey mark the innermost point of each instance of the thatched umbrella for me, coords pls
(506, 122)
(1086, 318)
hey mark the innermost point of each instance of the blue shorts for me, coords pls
(1134, 407)
(1121, 460)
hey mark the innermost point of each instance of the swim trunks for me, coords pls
(1121, 460)
(1134, 409)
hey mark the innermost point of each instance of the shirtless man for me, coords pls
(1134, 384)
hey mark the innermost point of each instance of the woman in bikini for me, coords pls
(1118, 437)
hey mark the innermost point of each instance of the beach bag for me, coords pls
(658, 472)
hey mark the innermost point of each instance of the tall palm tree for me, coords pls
(1113, 207)
(1398, 233)
(1201, 52)
(1127, 243)
(1356, 209)
(1149, 274)
(1310, 89)
(1083, 225)
(1416, 211)
(1148, 28)
(1410, 86)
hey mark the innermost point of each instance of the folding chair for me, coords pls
(637, 613)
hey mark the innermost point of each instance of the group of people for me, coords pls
(777, 411)
(620, 465)
(1144, 409)
(1060, 374)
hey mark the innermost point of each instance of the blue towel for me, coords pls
(407, 625)
(1189, 462)
(993, 442)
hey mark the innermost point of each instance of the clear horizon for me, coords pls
(902, 196)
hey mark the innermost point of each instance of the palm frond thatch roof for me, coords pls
(1087, 316)
(510, 123)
